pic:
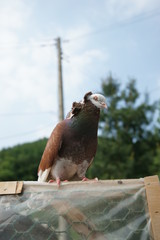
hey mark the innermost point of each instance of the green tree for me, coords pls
(128, 145)
(128, 140)
(21, 162)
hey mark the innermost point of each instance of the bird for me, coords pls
(72, 145)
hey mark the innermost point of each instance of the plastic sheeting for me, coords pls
(77, 210)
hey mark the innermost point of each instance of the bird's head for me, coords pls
(97, 99)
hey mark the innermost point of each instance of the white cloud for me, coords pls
(31, 73)
(125, 9)
(158, 81)
(13, 14)
(23, 71)
(80, 71)
(79, 65)
(26, 85)
(28, 76)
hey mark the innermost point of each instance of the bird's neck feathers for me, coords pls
(90, 112)
(87, 119)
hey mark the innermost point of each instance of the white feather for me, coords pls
(43, 175)
(63, 169)
(99, 102)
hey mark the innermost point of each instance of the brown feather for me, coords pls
(76, 108)
(52, 147)
(72, 145)
(86, 96)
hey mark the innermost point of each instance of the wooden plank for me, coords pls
(153, 198)
(8, 188)
(19, 187)
(13, 187)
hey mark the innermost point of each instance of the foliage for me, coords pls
(128, 145)
(21, 162)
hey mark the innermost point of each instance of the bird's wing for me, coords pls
(50, 152)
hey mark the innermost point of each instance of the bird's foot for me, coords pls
(58, 181)
(51, 181)
(87, 179)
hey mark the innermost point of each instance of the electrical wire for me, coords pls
(115, 26)
(153, 90)
(25, 113)
(48, 43)
(26, 133)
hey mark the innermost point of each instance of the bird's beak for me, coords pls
(104, 105)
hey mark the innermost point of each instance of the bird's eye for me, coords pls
(95, 98)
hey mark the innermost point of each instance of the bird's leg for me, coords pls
(84, 179)
(58, 181)
(51, 181)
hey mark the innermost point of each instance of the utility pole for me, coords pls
(60, 81)
(62, 222)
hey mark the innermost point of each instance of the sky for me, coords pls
(121, 37)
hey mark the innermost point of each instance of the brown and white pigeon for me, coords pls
(72, 145)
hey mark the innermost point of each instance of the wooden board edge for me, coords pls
(152, 187)
(19, 187)
(11, 188)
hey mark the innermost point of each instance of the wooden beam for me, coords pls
(153, 198)
(14, 187)
(19, 187)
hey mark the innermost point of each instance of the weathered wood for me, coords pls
(153, 198)
(19, 187)
(14, 187)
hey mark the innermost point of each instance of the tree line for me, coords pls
(128, 142)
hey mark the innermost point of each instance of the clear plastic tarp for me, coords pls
(77, 210)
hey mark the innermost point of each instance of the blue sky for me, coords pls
(98, 37)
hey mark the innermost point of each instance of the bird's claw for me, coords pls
(58, 181)
(51, 181)
(85, 179)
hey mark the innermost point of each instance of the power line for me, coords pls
(49, 42)
(153, 90)
(25, 113)
(39, 129)
(25, 133)
(115, 26)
